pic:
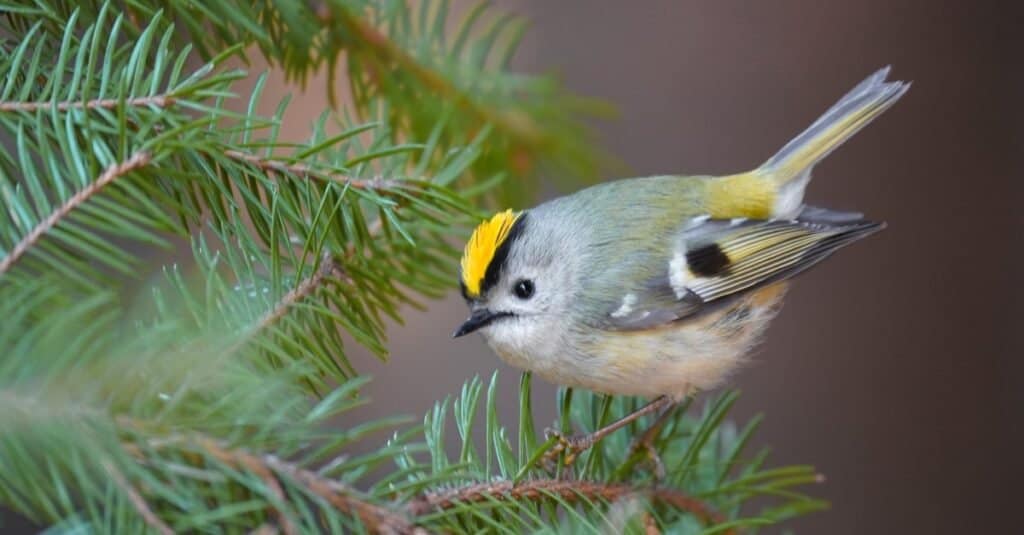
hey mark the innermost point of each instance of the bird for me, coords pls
(660, 286)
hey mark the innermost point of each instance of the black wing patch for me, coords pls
(770, 251)
(726, 258)
(707, 260)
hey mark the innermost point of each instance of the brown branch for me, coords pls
(569, 491)
(375, 518)
(650, 525)
(274, 486)
(160, 101)
(306, 171)
(110, 174)
(143, 508)
(387, 52)
(328, 266)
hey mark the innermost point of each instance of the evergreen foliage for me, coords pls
(204, 398)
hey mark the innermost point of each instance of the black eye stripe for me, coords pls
(497, 264)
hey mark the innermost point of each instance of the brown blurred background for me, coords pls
(895, 366)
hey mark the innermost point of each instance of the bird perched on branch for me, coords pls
(660, 286)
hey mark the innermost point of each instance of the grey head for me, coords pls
(522, 302)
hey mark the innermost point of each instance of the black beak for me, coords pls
(478, 320)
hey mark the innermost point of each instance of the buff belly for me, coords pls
(674, 360)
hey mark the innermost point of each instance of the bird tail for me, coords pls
(790, 168)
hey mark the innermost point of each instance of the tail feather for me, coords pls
(790, 168)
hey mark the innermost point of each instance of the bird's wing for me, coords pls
(712, 259)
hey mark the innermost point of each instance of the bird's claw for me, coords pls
(651, 452)
(571, 447)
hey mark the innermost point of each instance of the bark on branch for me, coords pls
(159, 101)
(272, 470)
(110, 174)
(302, 170)
(569, 491)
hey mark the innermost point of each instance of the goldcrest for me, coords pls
(660, 286)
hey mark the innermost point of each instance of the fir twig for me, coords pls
(388, 52)
(305, 171)
(143, 508)
(159, 101)
(569, 491)
(328, 266)
(274, 486)
(650, 524)
(113, 172)
(343, 498)
(376, 518)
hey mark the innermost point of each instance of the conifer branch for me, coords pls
(306, 171)
(344, 499)
(650, 524)
(376, 518)
(328, 266)
(274, 486)
(387, 52)
(538, 489)
(143, 508)
(136, 161)
(159, 101)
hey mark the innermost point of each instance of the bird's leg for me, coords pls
(575, 445)
(646, 442)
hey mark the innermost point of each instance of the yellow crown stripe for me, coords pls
(482, 245)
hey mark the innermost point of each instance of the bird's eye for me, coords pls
(523, 289)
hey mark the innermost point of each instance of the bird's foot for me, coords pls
(574, 445)
(567, 447)
(645, 445)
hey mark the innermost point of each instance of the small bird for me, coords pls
(659, 286)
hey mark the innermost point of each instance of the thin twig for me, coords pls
(523, 128)
(569, 491)
(160, 101)
(274, 486)
(143, 508)
(306, 171)
(377, 519)
(328, 266)
(306, 288)
(110, 174)
(650, 525)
